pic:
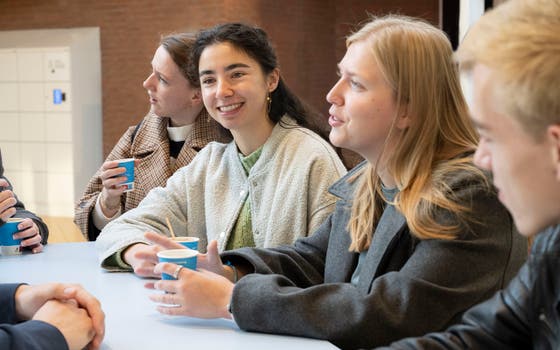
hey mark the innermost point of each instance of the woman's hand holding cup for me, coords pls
(114, 180)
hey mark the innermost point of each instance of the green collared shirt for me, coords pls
(242, 233)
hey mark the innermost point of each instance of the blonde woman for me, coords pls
(418, 234)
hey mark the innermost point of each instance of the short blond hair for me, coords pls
(520, 42)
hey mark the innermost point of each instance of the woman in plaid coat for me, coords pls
(168, 138)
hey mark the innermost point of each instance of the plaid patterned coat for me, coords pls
(151, 146)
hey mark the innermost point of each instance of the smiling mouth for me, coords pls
(334, 119)
(229, 108)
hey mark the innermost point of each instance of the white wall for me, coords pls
(469, 12)
(50, 149)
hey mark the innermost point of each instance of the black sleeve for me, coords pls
(498, 323)
(28, 335)
(31, 335)
(7, 303)
(21, 212)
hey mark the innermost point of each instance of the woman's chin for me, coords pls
(336, 139)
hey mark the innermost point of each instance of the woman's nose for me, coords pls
(147, 84)
(333, 96)
(223, 89)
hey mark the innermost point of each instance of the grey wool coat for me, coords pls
(406, 287)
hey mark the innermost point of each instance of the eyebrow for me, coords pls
(228, 68)
(479, 125)
(347, 72)
(161, 75)
(158, 72)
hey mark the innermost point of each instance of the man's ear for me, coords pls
(553, 135)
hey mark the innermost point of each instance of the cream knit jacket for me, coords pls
(288, 186)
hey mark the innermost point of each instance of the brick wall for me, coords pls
(308, 35)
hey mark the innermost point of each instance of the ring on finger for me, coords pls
(177, 271)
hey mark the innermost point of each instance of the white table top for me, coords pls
(132, 321)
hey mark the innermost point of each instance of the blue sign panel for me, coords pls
(57, 96)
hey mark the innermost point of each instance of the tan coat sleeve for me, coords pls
(84, 206)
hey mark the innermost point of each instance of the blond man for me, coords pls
(513, 56)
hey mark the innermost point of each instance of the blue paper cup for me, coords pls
(183, 257)
(189, 242)
(128, 164)
(9, 245)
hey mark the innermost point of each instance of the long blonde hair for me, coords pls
(417, 62)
